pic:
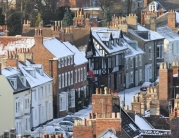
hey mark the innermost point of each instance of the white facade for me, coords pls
(42, 93)
(171, 44)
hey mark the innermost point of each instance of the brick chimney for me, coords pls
(163, 84)
(132, 20)
(171, 19)
(38, 37)
(150, 22)
(146, 2)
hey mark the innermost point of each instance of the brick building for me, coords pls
(102, 117)
(58, 60)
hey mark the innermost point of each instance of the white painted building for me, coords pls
(19, 107)
(42, 93)
(171, 44)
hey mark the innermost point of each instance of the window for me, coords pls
(72, 92)
(49, 109)
(68, 78)
(120, 78)
(126, 63)
(68, 60)
(131, 63)
(71, 60)
(140, 60)
(117, 60)
(84, 89)
(150, 53)
(26, 124)
(159, 51)
(63, 80)
(62, 102)
(79, 92)
(84, 71)
(136, 61)
(96, 63)
(59, 79)
(140, 75)
(42, 92)
(59, 64)
(35, 114)
(81, 74)
(62, 62)
(26, 103)
(65, 61)
(131, 77)
(150, 70)
(46, 90)
(71, 77)
(78, 75)
(16, 107)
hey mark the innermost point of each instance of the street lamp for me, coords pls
(124, 94)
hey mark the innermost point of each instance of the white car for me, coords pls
(145, 85)
(66, 125)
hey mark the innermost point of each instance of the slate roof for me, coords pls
(12, 73)
(170, 4)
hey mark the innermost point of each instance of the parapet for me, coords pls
(104, 115)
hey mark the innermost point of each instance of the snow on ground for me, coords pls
(81, 113)
(129, 93)
(142, 123)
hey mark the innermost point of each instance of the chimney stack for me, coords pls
(38, 37)
(146, 2)
(171, 19)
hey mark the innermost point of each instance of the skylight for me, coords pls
(132, 127)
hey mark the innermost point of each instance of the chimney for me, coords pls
(171, 19)
(132, 21)
(38, 37)
(146, 2)
(163, 84)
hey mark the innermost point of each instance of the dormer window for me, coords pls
(14, 82)
(71, 59)
(33, 73)
(23, 80)
(68, 60)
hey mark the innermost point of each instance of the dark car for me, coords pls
(71, 118)
(145, 85)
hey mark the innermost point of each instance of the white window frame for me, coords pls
(81, 74)
(71, 77)
(84, 71)
(59, 80)
(59, 63)
(72, 92)
(140, 60)
(150, 53)
(71, 59)
(131, 77)
(62, 100)
(63, 80)
(68, 59)
(150, 71)
(62, 62)
(76, 76)
(65, 61)
(140, 75)
(136, 61)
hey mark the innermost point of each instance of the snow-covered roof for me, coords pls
(143, 124)
(9, 71)
(13, 44)
(39, 77)
(152, 34)
(1, 33)
(168, 33)
(99, 34)
(79, 58)
(175, 75)
(57, 48)
(108, 134)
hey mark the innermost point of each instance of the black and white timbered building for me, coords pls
(106, 56)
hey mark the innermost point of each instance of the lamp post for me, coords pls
(124, 94)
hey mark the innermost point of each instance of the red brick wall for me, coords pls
(104, 123)
(136, 107)
(101, 103)
(11, 62)
(82, 132)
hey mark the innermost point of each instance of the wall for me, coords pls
(7, 118)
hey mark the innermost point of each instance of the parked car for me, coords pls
(156, 82)
(56, 130)
(145, 85)
(71, 118)
(66, 125)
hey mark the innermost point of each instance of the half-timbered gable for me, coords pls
(105, 53)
